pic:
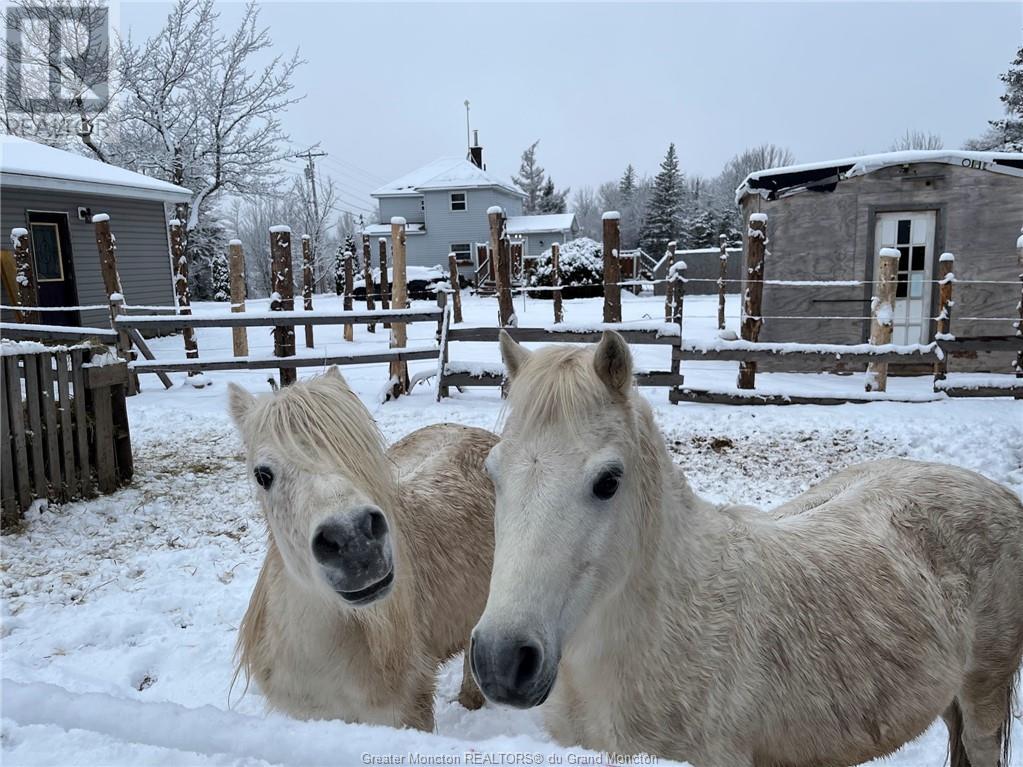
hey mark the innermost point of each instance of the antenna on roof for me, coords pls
(467, 143)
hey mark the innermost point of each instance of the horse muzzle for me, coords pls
(514, 670)
(354, 554)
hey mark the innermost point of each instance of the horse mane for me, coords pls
(320, 424)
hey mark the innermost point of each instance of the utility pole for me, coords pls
(310, 173)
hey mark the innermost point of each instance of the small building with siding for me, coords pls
(539, 232)
(827, 221)
(54, 194)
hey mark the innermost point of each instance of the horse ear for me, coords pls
(239, 403)
(333, 372)
(613, 362)
(513, 353)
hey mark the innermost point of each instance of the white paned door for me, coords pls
(912, 234)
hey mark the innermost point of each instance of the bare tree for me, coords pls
(916, 139)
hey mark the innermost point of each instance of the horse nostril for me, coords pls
(327, 545)
(374, 524)
(528, 664)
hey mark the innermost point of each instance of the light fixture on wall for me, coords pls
(84, 214)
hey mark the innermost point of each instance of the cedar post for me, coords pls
(722, 276)
(756, 249)
(28, 287)
(106, 244)
(456, 288)
(669, 285)
(349, 280)
(385, 289)
(180, 262)
(282, 299)
(367, 277)
(678, 282)
(559, 309)
(482, 262)
(882, 311)
(1019, 323)
(307, 285)
(517, 264)
(943, 326)
(502, 270)
(399, 368)
(612, 267)
(236, 265)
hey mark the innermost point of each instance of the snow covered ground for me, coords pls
(120, 614)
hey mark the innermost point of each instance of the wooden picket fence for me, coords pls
(64, 426)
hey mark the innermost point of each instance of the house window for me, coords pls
(458, 201)
(463, 252)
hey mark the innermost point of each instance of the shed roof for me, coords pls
(384, 230)
(25, 163)
(823, 176)
(443, 173)
(546, 222)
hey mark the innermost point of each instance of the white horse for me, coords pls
(829, 632)
(377, 563)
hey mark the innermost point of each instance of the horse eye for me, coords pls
(606, 485)
(264, 476)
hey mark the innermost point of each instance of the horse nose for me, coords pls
(510, 670)
(341, 540)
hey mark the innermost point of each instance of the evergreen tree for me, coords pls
(350, 248)
(339, 270)
(530, 179)
(627, 186)
(220, 277)
(664, 211)
(1010, 127)
(551, 200)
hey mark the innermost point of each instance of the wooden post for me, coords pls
(349, 280)
(559, 310)
(612, 267)
(943, 326)
(180, 263)
(385, 290)
(236, 265)
(1019, 323)
(282, 298)
(482, 265)
(669, 285)
(502, 270)
(882, 311)
(106, 244)
(517, 264)
(677, 273)
(753, 296)
(456, 288)
(399, 338)
(28, 287)
(722, 276)
(367, 277)
(307, 285)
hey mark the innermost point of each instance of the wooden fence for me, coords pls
(64, 426)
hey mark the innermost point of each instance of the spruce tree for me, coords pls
(350, 248)
(339, 270)
(220, 277)
(664, 211)
(627, 186)
(1011, 126)
(552, 200)
(530, 179)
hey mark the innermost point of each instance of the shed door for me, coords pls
(55, 271)
(912, 234)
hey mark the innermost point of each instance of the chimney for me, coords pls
(476, 151)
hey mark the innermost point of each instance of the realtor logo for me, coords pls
(57, 57)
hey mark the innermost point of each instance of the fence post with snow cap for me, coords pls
(612, 266)
(25, 276)
(399, 383)
(882, 316)
(236, 269)
(1019, 307)
(106, 244)
(499, 249)
(559, 309)
(385, 285)
(282, 299)
(349, 280)
(722, 278)
(183, 294)
(307, 285)
(456, 291)
(367, 278)
(943, 322)
(753, 296)
(669, 286)
(677, 280)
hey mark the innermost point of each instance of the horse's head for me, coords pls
(564, 472)
(316, 460)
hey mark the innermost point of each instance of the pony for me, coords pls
(378, 560)
(828, 631)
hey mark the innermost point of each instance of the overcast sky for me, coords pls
(603, 85)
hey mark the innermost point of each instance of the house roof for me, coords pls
(28, 164)
(823, 176)
(443, 173)
(548, 222)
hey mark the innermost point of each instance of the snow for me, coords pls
(540, 223)
(25, 163)
(117, 297)
(17, 233)
(234, 241)
(979, 381)
(946, 257)
(120, 613)
(760, 217)
(889, 252)
(99, 218)
(280, 229)
(495, 210)
(611, 215)
(397, 221)
(443, 173)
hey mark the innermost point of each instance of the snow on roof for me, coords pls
(444, 173)
(28, 164)
(773, 180)
(548, 222)
(385, 229)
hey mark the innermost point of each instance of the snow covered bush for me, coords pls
(582, 266)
